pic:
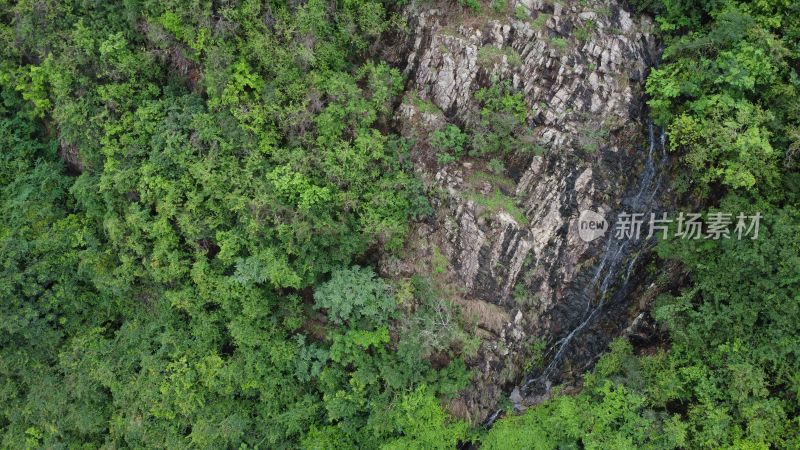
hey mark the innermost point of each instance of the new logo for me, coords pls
(591, 225)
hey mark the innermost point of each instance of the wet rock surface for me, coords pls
(581, 67)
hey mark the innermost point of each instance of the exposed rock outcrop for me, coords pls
(581, 67)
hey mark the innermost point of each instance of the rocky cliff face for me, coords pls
(542, 299)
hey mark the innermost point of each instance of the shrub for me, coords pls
(450, 142)
(499, 6)
(355, 296)
(496, 166)
(473, 5)
(521, 13)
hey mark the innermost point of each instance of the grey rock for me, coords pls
(587, 111)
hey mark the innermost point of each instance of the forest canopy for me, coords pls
(176, 177)
(191, 192)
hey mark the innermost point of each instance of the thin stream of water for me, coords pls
(619, 250)
(610, 268)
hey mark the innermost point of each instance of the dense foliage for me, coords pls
(175, 178)
(190, 192)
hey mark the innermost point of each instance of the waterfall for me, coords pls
(616, 252)
(610, 281)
